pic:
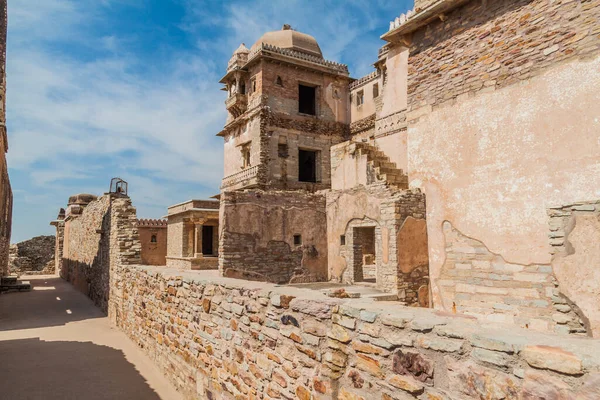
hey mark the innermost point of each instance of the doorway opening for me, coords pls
(365, 268)
(207, 240)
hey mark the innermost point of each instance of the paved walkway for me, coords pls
(55, 344)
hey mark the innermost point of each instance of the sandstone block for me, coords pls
(552, 358)
(369, 364)
(368, 316)
(320, 309)
(491, 357)
(314, 327)
(340, 334)
(542, 386)
(406, 383)
(440, 344)
(344, 321)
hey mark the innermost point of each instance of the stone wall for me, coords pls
(273, 236)
(104, 235)
(6, 197)
(153, 252)
(502, 102)
(224, 338)
(575, 240)
(33, 256)
(474, 281)
(401, 246)
(499, 43)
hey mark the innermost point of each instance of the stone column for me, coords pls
(198, 239)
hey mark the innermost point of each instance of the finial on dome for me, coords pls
(286, 27)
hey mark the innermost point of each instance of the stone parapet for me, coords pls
(225, 338)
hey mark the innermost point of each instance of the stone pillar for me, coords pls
(198, 237)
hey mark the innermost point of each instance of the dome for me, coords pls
(287, 38)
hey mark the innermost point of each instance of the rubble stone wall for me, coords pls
(401, 259)
(153, 253)
(97, 240)
(6, 196)
(257, 230)
(497, 92)
(475, 281)
(222, 338)
(575, 240)
(33, 256)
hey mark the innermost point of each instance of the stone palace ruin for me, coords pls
(428, 231)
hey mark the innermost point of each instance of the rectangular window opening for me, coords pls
(375, 90)
(307, 166)
(343, 240)
(307, 99)
(360, 98)
(245, 149)
(297, 240)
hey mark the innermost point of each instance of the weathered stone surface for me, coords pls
(439, 344)
(473, 380)
(413, 364)
(552, 358)
(491, 357)
(340, 334)
(406, 383)
(320, 309)
(538, 386)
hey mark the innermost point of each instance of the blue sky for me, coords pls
(129, 88)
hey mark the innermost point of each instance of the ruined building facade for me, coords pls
(431, 176)
(6, 196)
(192, 241)
(286, 108)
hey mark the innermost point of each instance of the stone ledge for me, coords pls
(478, 334)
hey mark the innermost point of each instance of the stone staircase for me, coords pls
(11, 283)
(379, 166)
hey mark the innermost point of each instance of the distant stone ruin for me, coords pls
(33, 257)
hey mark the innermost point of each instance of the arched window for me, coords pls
(279, 82)
(153, 239)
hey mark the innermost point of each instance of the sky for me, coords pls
(98, 89)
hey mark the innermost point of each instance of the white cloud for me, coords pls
(84, 106)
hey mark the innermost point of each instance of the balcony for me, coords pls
(237, 104)
(246, 177)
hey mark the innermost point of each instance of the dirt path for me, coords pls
(56, 344)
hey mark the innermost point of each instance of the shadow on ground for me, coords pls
(32, 369)
(51, 302)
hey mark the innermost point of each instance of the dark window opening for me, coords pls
(207, 240)
(153, 239)
(307, 166)
(375, 91)
(253, 85)
(307, 99)
(243, 89)
(245, 149)
(279, 81)
(360, 98)
(297, 240)
(343, 240)
(282, 150)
